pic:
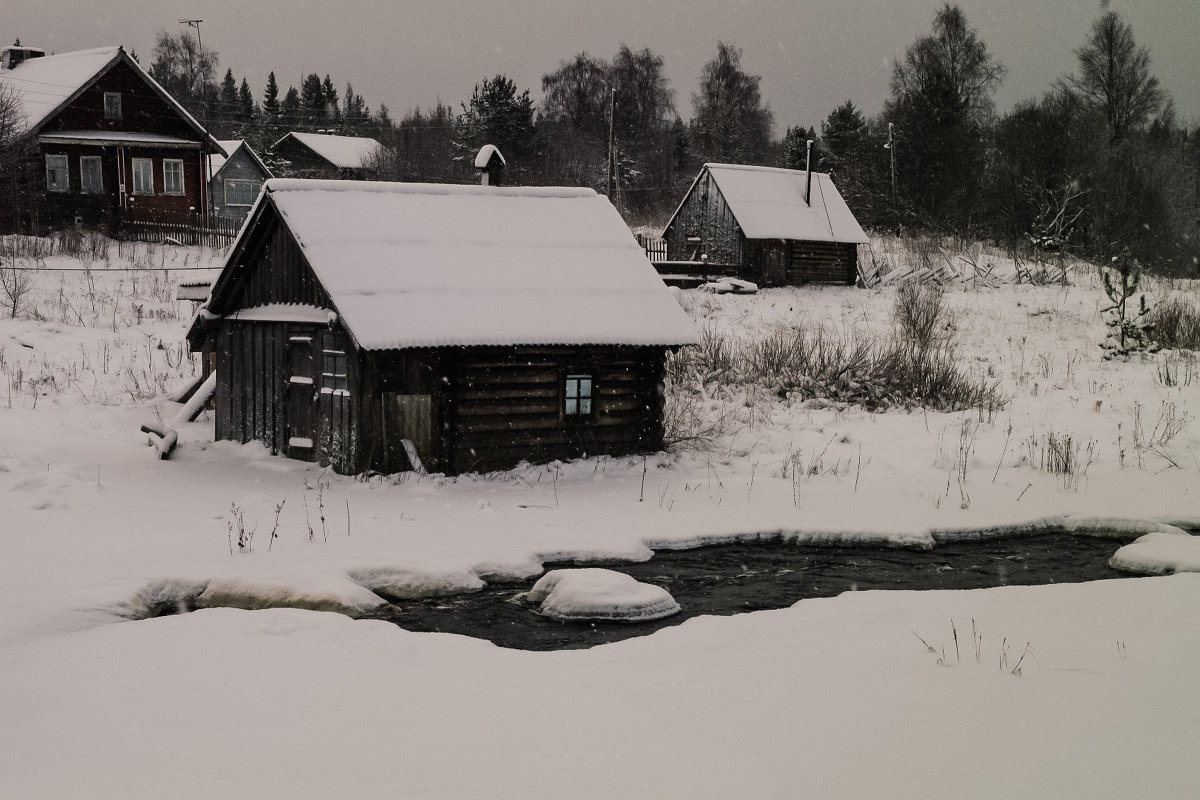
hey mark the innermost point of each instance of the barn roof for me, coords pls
(343, 152)
(768, 203)
(45, 85)
(427, 265)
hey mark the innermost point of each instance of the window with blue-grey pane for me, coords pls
(577, 395)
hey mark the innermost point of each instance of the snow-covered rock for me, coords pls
(593, 593)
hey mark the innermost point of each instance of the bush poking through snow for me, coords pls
(1176, 324)
(917, 366)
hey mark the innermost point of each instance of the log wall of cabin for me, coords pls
(505, 407)
(491, 408)
(823, 262)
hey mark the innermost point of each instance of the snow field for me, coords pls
(833, 697)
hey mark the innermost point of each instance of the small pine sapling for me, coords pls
(1130, 330)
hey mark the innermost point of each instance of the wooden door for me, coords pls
(301, 398)
(409, 418)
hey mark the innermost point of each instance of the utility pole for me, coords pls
(612, 146)
(194, 23)
(891, 148)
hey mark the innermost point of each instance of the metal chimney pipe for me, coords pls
(808, 174)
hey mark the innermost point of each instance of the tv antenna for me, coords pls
(194, 23)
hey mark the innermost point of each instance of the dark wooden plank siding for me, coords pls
(250, 402)
(705, 215)
(281, 274)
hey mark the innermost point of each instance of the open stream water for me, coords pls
(735, 578)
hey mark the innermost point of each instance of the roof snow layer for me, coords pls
(344, 152)
(769, 204)
(43, 84)
(427, 265)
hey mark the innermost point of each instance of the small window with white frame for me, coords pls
(577, 395)
(57, 174)
(241, 192)
(112, 105)
(143, 176)
(172, 176)
(91, 177)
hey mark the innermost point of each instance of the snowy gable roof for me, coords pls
(216, 160)
(485, 155)
(426, 265)
(344, 152)
(769, 204)
(44, 85)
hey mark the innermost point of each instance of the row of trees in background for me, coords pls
(1097, 164)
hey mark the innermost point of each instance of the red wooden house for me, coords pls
(110, 137)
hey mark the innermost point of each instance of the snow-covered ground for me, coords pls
(1056, 691)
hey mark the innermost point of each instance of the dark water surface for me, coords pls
(734, 578)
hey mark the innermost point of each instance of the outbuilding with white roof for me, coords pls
(325, 155)
(389, 326)
(763, 224)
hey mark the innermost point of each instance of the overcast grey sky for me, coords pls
(812, 54)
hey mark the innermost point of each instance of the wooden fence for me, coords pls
(187, 228)
(656, 249)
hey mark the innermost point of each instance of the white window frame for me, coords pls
(83, 175)
(579, 394)
(167, 188)
(225, 188)
(63, 164)
(142, 170)
(112, 105)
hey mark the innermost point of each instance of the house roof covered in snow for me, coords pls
(343, 152)
(768, 203)
(426, 265)
(47, 84)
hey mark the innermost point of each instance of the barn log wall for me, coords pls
(823, 262)
(506, 406)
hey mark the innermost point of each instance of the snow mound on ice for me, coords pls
(1159, 553)
(574, 594)
(407, 584)
(343, 597)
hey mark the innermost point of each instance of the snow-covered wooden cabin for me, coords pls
(775, 227)
(325, 155)
(476, 326)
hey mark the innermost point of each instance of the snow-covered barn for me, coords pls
(377, 325)
(772, 226)
(325, 155)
